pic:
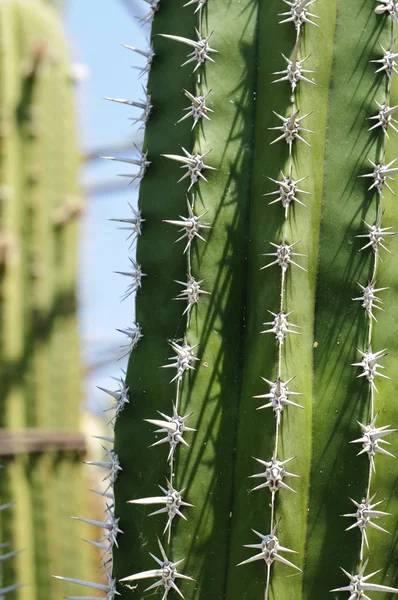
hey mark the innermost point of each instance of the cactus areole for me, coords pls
(256, 440)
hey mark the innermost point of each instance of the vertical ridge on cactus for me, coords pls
(350, 331)
(373, 436)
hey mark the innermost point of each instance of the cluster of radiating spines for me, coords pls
(372, 436)
(144, 105)
(298, 14)
(135, 276)
(6, 555)
(173, 428)
(288, 194)
(141, 162)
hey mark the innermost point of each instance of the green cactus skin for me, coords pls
(40, 373)
(227, 324)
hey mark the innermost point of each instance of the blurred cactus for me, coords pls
(40, 377)
(254, 173)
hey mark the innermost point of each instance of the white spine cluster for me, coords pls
(285, 258)
(201, 48)
(141, 162)
(371, 436)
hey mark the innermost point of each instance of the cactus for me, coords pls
(285, 203)
(40, 374)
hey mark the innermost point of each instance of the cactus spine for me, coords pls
(245, 42)
(40, 374)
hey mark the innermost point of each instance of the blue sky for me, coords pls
(96, 32)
